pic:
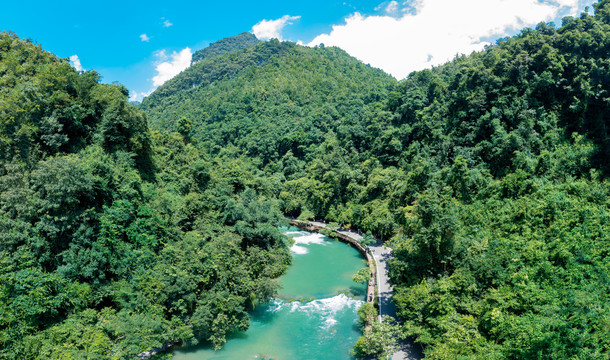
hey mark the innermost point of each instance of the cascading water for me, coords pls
(315, 315)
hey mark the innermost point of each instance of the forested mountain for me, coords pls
(487, 175)
(115, 240)
(225, 46)
(270, 101)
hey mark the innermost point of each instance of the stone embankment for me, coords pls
(377, 255)
(349, 238)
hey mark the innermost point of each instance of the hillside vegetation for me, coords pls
(269, 101)
(486, 175)
(225, 46)
(115, 240)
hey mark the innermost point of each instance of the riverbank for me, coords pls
(377, 256)
(353, 240)
(313, 316)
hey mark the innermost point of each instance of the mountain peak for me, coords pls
(226, 45)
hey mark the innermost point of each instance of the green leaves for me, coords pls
(487, 174)
(522, 265)
(111, 244)
(362, 276)
(380, 339)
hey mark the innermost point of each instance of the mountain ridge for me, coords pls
(225, 45)
(487, 175)
(274, 86)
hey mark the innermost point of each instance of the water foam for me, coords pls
(328, 306)
(309, 239)
(328, 323)
(324, 309)
(291, 233)
(299, 250)
(332, 305)
(276, 305)
(327, 309)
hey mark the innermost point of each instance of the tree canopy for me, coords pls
(487, 176)
(115, 240)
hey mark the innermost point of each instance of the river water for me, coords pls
(314, 316)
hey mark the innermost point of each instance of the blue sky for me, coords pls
(134, 42)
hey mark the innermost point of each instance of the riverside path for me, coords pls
(381, 254)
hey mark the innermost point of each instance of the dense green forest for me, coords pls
(276, 101)
(486, 175)
(114, 239)
(225, 46)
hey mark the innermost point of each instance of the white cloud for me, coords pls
(168, 69)
(389, 8)
(431, 32)
(161, 55)
(392, 7)
(270, 29)
(75, 62)
(166, 66)
(167, 23)
(144, 38)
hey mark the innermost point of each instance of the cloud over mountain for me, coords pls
(75, 62)
(418, 34)
(168, 69)
(271, 29)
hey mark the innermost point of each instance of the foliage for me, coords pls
(367, 239)
(379, 339)
(46, 107)
(273, 100)
(485, 174)
(114, 240)
(224, 46)
(362, 276)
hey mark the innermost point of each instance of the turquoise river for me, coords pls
(321, 324)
